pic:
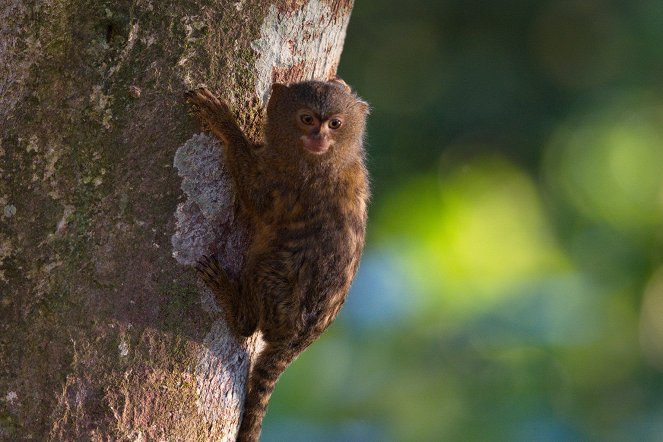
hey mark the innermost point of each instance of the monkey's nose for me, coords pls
(316, 144)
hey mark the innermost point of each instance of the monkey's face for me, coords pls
(318, 133)
(315, 118)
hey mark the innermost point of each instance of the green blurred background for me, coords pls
(512, 284)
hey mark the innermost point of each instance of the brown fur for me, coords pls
(309, 216)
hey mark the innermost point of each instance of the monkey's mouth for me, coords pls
(316, 144)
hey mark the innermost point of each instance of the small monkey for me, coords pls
(305, 192)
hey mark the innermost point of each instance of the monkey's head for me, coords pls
(316, 119)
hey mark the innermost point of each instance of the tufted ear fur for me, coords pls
(278, 89)
(341, 83)
(363, 106)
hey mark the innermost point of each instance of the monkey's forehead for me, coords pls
(318, 85)
(323, 97)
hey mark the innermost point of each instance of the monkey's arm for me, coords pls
(239, 156)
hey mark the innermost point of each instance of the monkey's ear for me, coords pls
(363, 106)
(278, 89)
(341, 83)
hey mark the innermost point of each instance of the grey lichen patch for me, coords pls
(283, 52)
(123, 348)
(204, 178)
(207, 221)
(11, 397)
(9, 210)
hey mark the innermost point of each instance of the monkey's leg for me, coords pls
(239, 157)
(241, 313)
(280, 325)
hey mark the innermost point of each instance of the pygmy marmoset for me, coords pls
(305, 191)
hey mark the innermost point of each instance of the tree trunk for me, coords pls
(105, 333)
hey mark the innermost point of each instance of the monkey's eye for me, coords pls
(335, 123)
(307, 119)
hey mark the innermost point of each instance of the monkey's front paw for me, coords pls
(204, 102)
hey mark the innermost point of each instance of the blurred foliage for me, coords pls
(512, 284)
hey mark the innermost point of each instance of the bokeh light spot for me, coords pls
(608, 165)
(472, 236)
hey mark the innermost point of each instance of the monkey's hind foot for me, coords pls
(241, 318)
(213, 275)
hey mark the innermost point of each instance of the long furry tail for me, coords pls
(271, 362)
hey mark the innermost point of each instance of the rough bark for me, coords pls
(105, 334)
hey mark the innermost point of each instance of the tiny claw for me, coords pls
(206, 265)
(190, 98)
(202, 262)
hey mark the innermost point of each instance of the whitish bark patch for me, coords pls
(304, 44)
(221, 375)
